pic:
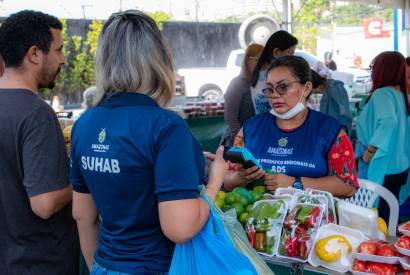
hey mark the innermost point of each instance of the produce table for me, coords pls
(207, 130)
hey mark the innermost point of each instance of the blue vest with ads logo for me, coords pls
(302, 152)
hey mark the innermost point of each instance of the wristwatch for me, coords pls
(297, 184)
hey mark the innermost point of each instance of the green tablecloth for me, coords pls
(208, 131)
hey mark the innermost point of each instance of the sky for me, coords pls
(73, 8)
(97, 9)
(206, 10)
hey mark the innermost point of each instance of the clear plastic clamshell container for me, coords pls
(330, 199)
(273, 231)
(360, 273)
(405, 263)
(402, 229)
(268, 196)
(319, 199)
(287, 191)
(401, 250)
(296, 234)
(376, 258)
(355, 237)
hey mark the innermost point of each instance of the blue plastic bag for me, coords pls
(210, 252)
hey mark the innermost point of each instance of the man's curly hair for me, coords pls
(25, 29)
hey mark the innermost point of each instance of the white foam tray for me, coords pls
(354, 237)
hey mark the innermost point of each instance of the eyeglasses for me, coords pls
(281, 88)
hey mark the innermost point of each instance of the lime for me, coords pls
(259, 189)
(239, 209)
(256, 195)
(231, 198)
(243, 217)
(242, 200)
(221, 194)
(219, 202)
(249, 208)
(244, 193)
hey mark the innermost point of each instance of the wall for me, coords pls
(197, 44)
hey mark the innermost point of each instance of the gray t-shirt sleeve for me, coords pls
(44, 156)
(233, 98)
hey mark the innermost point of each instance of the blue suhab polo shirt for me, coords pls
(131, 154)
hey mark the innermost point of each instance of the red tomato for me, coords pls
(406, 272)
(381, 269)
(367, 248)
(407, 226)
(360, 266)
(387, 250)
(404, 242)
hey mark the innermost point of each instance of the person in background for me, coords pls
(299, 147)
(329, 62)
(136, 168)
(334, 100)
(382, 128)
(88, 97)
(280, 43)
(37, 231)
(238, 99)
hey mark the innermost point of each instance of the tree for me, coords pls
(353, 14)
(307, 18)
(89, 51)
(310, 15)
(160, 17)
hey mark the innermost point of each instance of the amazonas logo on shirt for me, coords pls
(100, 164)
(281, 150)
(101, 147)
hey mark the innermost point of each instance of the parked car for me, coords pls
(345, 74)
(211, 83)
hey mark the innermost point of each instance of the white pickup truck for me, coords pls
(211, 83)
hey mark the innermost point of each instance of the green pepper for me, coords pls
(263, 211)
(270, 242)
(274, 210)
(304, 213)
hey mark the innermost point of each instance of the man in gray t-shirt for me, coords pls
(37, 232)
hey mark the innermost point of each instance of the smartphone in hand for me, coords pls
(242, 156)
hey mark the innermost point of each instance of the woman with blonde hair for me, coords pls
(135, 183)
(238, 99)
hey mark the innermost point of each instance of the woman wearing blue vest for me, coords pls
(302, 148)
(280, 43)
(382, 128)
(135, 166)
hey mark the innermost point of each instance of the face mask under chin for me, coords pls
(294, 111)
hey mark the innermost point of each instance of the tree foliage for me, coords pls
(79, 71)
(160, 17)
(306, 21)
(310, 15)
(354, 13)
